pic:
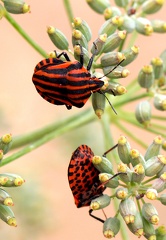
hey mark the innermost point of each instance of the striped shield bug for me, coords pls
(83, 178)
(65, 82)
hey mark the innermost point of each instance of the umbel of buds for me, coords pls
(144, 181)
(7, 180)
(103, 50)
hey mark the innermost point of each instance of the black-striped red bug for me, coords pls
(65, 82)
(83, 177)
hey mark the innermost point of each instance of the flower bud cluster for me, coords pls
(130, 19)
(141, 179)
(134, 17)
(104, 54)
(7, 180)
(152, 77)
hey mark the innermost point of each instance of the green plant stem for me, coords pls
(20, 30)
(69, 11)
(161, 118)
(127, 99)
(108, 138)
(84, 117)
(130, 134)
(127, 117)
(81, 119)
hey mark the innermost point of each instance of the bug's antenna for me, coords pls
(108, 102)
(112, 69)
(109, 150)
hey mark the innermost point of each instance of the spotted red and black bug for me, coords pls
(65, 82)
(83, 177)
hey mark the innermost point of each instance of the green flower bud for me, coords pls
(124, 149)
(160, 184)
(151, 194)
(150, 213)
(113, 41)
(122, 193)
(138, 174)
(130, 55)
(143, 113)
(115, 88)
(111, 12)
(7, 215)
(163, 170)
(152, 6)
(79, 38)
(2, 11)
(11, 180)
(143, 26)
(98, 5)
(111, 227)
(102, 164)
(98, 103)
(160, 101)
(159, 26)
(128, 24)
(149, 231)
(99, 43)
(111, 59)
(16, 6)
(161, 82)
(77, 54)
(154, 148)
(108, 13)
(154, 165)
(119, 72)
(3, 180)
(136, 227)
(158, 67)
(161, 232)
(146, 76)
(164, 145)
(109, 26)
(136, 157)
(100, 202)
(122, 168)
(162, 198)
(163, 57)
(122, 3)
(128, 210)
(5, 198)
(5, 143)
(83, 27)
(58, 38)
(1, 154)
(112, 183)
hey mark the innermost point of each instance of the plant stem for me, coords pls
(129, 133)
(84, 116)
(127, 99)
(20, 30)
(108, 138)
(42, 138)
(68, 10)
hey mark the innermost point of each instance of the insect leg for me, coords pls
(65, 55)
(92, 57)
(99, 219)
(109, 150)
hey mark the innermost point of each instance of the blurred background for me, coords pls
(44, 206)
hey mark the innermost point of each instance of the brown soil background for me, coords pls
(44, 205)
